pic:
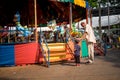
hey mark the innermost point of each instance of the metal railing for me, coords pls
(45, 50)
(70, 38)
(11, 37)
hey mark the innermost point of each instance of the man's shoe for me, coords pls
(88, 62)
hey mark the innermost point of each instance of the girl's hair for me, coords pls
(76, 41)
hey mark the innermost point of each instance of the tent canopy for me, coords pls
(46, 10)
(114, 19)
(81, 3)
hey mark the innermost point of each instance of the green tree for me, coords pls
(115, 2)
(94, 3)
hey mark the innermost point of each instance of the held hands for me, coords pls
(79, 39)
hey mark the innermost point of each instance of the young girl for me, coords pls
(77, 53)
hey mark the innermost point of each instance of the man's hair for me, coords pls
(82, 23)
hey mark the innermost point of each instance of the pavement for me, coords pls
(104, 68)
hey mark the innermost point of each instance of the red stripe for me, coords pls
(26, 53)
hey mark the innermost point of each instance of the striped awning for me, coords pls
(81, 3)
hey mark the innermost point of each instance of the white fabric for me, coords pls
(90, 34)
(91, 52)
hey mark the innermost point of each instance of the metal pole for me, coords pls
(35, 9)
(70, 18)
(86, 15)
(100, 21)
(87, 11)
(108, 19)
(91, 17)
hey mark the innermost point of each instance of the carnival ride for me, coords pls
(32, 52)
(42, 52)
(20, 53)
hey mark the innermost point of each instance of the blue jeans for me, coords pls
(105, 48)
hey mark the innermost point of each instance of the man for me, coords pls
(89, 35)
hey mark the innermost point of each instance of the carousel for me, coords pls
(23, 44)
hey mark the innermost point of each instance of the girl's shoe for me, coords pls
(77, 64)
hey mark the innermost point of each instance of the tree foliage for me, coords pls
(115, 2)
(94, 3)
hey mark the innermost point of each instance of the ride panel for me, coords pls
(7, 57)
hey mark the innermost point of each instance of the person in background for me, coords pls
(56, 32)
(67, 33)
(77, 53)
(105, 42)
(62, 34)
(89, 35)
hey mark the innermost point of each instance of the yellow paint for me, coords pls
(81, 3)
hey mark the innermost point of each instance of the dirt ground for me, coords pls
(105, 68)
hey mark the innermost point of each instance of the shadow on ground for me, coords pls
(4, 78)
(113, 56)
